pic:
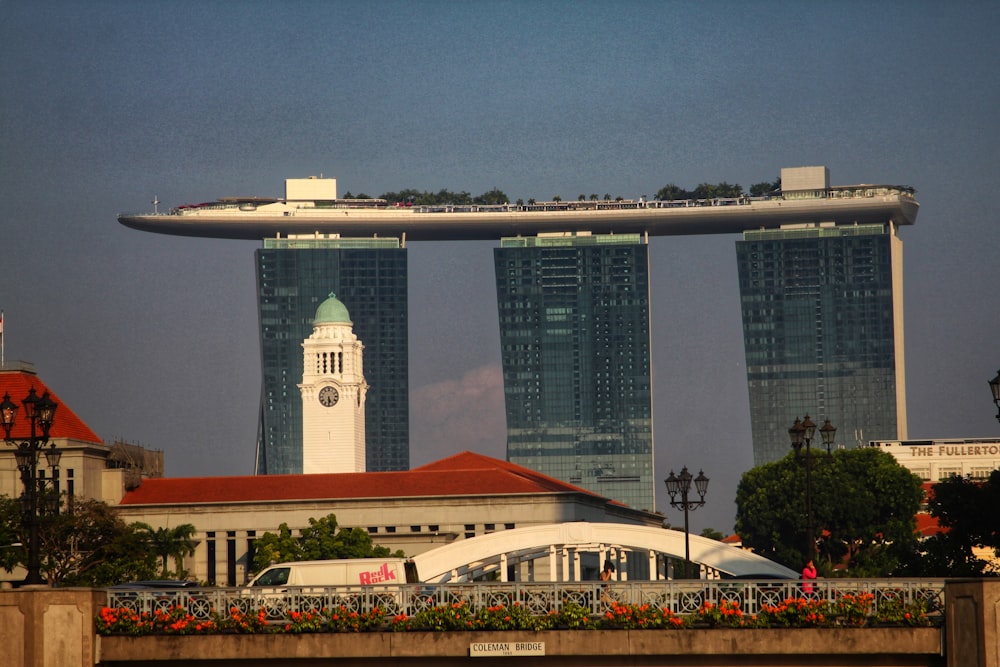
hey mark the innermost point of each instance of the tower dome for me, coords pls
(332, 311)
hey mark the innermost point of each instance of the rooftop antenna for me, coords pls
(156, 203)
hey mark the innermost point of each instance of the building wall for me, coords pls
(937, 459)
(822, 328)
(575, 346)
(225, 532)
(83, 472)
(293, 277)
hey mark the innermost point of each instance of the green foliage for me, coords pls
(87, 544)
(726, 614)
(438, 619)
(170, 543)
(847, 610)
(321, 540)
(712, 534)
(573, 616)
(761, 189)
(493, 196)
(864, 505)
(965, 509)
(896, 612)
(641, 617)
(671, 191)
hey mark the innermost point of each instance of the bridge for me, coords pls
(565, 552)
(49, 627)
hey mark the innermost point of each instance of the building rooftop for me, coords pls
(464, 474)
(813, 202)
(17, 382)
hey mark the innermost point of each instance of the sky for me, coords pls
(154, 339)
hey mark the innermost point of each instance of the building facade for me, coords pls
(457, 498)
(938, 459)
(575, 348)
(822, 309)
(294, 276)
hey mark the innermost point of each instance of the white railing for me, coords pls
(679, 597)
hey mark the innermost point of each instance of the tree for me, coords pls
(864, 504)
(87, 545)
(170, 543)
(493, 196)
(964, 508)
(712, 534)
(321, 540)
(669, 192)
(761, 189)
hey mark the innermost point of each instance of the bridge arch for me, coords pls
(574, 552)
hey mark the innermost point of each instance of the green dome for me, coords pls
(332, 310)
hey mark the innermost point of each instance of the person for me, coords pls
(606, 575)
(808, 576)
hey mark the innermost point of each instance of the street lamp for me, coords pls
(40, 413)
(681, 484)
(995, 388)
(801, 433)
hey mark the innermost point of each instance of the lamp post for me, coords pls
(995, 388)
(40, 413)
(681, 484)
(801, 433)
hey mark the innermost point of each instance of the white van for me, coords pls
(344, 572)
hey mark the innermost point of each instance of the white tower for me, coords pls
(333, 394)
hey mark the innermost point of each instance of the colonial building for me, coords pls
(456, 498)
(937, 459)
(88, 467)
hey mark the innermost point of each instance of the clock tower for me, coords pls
(333, 394)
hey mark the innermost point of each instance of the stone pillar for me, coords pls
(45, 627)
(972, 615)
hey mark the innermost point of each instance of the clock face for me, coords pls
(329, 396)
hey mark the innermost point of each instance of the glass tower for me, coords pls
(574, 336)
(295, 275)
(823, 331)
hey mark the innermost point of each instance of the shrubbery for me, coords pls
(848, 610)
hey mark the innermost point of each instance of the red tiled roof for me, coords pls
(465, 474)
(67, 424)
(928, 526)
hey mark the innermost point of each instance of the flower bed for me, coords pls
(845, 611)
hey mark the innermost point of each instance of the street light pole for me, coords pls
(995, 388)
(40, 413)
(681, 484)
(801, 433)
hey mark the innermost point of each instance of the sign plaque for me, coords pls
(503, 649)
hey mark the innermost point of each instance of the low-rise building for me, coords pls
(456, 498)
(939, 458)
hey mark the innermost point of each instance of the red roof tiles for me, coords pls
(67, 424)
(464, 474)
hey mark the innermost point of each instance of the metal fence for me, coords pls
(679, 597)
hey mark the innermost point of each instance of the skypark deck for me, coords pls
(247, 218)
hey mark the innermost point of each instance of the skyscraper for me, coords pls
(574, 336)
(294, 276)
(823, 330)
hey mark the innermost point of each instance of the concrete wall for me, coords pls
(886, 647)
(48, 627)
(44, 627)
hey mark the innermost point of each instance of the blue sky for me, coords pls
(154, 339)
